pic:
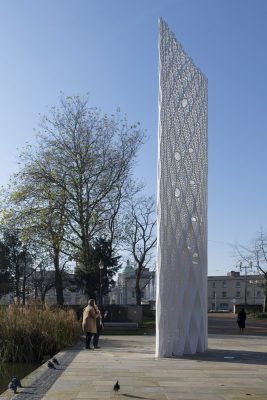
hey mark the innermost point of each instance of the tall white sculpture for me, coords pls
(182, 203)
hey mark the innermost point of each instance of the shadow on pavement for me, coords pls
(229, 356)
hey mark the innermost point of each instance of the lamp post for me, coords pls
(101, 267)
(245, 267)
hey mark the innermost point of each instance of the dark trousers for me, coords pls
(96, 338)
(88, 339)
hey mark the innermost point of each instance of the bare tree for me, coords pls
(42, 281)
(256, 256)
(140, 237)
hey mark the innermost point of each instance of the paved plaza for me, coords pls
(234, 368)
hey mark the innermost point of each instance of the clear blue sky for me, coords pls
(108, 48)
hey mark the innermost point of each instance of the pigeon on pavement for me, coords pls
(55, 361)
(51, 365)
(16, 379)
(116, 387)
(14, 384)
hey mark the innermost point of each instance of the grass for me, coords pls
(28, 334)
(258, 315)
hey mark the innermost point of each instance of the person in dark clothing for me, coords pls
(99, 327)
(241, 318)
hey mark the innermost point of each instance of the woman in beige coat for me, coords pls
(90, 313)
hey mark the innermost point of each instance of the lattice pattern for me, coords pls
(182, 202)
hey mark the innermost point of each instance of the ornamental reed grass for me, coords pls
(27, 334)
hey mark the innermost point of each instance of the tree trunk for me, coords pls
(24, 281)
(17, 290)
(138, 294)
(138, 297)
(58, 279)
(43, 297)
(265, 299)
(24, 290)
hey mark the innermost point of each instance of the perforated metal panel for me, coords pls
(182, 202)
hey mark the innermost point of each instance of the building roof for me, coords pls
(128, 268)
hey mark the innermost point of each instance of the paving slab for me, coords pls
(234, 368)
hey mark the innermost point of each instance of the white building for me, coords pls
(225, 291)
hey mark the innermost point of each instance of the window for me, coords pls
(237, 295)
(214, 294)
(248, 294)
(237, 284)
(213, 284)
(224, 294)
(224, 284)
(224, 306)
(258, 293)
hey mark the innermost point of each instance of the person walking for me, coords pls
(90, 314)
(241, 318)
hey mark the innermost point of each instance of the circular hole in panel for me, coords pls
(195, 258)
(177, 156)
(184, 103)
(190, 150)
(192, 182)
(177, 192)
(194, 219)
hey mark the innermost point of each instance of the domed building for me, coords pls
(124, 290)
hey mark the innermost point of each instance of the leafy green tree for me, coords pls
(39, 218)
(84, 159)
(71, 185)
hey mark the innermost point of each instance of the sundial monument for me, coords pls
(181, 304)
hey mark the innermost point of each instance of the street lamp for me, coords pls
(101, 266)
